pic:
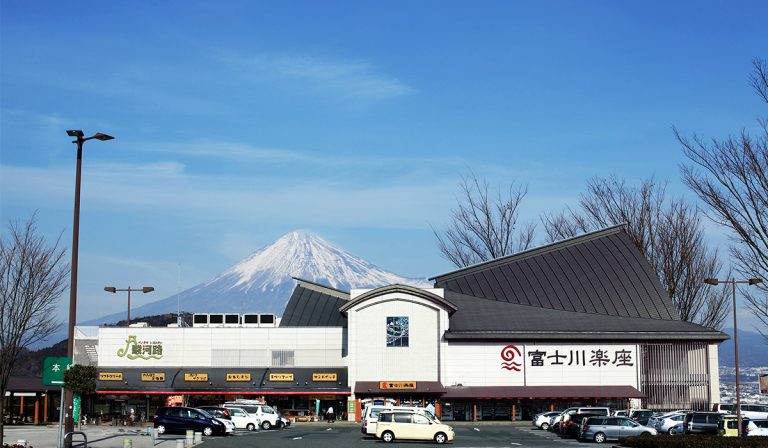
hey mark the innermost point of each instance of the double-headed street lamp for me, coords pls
(113, 290)
(78, 134)
(751, 281)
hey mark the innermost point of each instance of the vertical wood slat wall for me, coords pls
(675, 376)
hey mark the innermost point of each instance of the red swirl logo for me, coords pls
(508, 354)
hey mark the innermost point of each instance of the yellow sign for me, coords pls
(323, 377)
(110, 376)
(397, 384)
(195, 377)
(280, 377)
(238, 377)
(152, 376)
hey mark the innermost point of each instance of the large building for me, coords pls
(580, 321)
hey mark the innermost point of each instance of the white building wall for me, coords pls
(222, 347)
(371, 359)
(714, 374)
(482, 364)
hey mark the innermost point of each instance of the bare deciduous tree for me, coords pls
(33, 275)
(668, 232)
(731, 177)
(484, 227)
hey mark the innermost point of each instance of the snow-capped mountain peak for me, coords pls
(263, 281)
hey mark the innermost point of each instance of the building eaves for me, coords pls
(322, 288)
(402, 289)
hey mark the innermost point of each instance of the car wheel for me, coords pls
(280, 424)
(545, 426)
(250, 427)
(671, 431)
(440, 438)
(207, 431)
(387, 436)
(645, 433)
(265, 425)
(599, 437)
(160, 429)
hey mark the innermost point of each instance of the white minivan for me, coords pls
(371, 416)
(752, 411)
(267, 415)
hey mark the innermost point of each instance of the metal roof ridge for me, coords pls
(556, 245)
(399, 287)
(322, 288)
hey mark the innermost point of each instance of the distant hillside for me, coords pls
(753, 349)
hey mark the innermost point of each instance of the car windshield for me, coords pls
(205, 413)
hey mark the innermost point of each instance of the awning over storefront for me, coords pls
(543, 392)
(398, 387)
(227, 380)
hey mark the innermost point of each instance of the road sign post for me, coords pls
(53, 375)
(54, 368)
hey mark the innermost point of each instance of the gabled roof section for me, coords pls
(600, 272)
(478, 319)
(402, 289)
(314, 305)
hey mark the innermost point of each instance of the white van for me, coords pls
(371, 416)
(268, 416)
(751, 411)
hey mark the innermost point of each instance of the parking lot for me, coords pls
(345, 434)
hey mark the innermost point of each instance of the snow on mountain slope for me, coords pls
(262, 282)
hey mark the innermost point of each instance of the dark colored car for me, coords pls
(217, 411)
(571, 426)
(179, 419)
(701, 422)
(642, 416)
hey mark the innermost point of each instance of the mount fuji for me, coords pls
(263, 282)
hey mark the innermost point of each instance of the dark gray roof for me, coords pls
(314, 305)
(481, 319)
(597, 273)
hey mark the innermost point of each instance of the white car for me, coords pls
(265, 414)
(229, 426)
(542, 420)
(665, 423)
(758, 427)
(244, 420)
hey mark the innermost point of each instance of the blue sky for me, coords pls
(237, 122)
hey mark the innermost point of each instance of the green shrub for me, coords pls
(693, 441)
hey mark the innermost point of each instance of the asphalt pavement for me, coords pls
(299, 435)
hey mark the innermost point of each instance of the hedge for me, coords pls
(693, 441)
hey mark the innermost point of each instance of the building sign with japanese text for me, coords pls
(193, 377)
(238, 377)
(385, 385)
(141, 349)
(110, 376)
(152, 376)
(324, 377)
(515, 363)
(280, 377)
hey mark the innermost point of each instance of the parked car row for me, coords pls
(219, 420)
(599, 425)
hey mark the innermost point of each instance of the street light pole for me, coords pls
(144, 289)
(78, 134)
(751, 281)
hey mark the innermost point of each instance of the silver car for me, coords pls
(542, 420)
(665, 423)
(601, 429)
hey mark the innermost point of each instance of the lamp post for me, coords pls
(78, 134)
(144, 289)
(751, 281)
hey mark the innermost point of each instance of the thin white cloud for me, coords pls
(352, 80)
